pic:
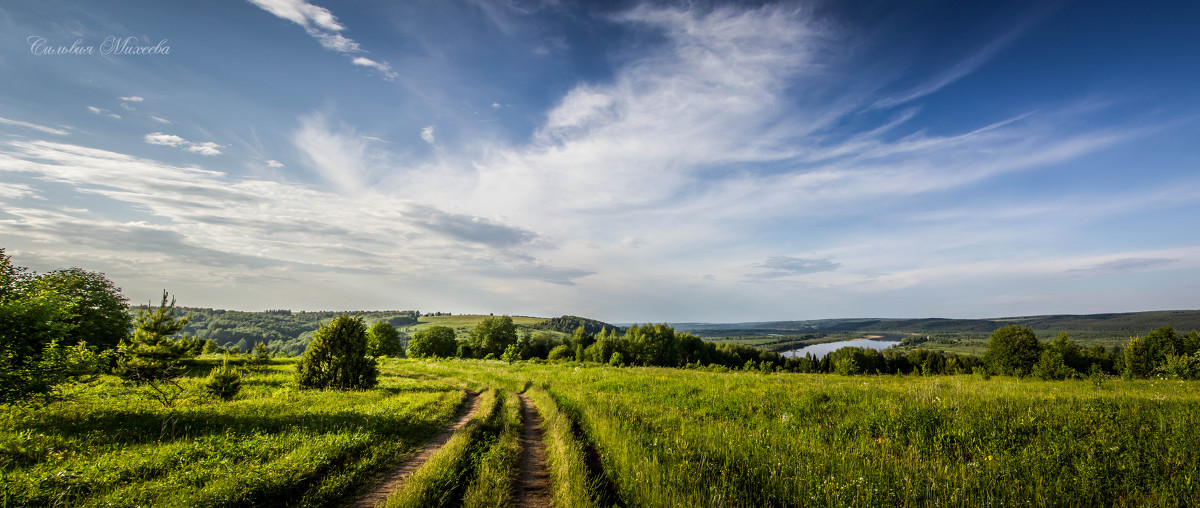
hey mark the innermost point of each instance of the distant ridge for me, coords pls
(1126, 322)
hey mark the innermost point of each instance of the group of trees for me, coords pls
(54, 326)
(661, 345)
(1016, 350)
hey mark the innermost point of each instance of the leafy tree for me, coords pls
(511, 354)
(433, 342)
(492, 335)
(384, 340)
(1013, 350)
(653, 345)
(100, 313)
(1161, 343)
(152, 357)
(337, 357)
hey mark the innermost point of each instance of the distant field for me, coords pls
(463, 323)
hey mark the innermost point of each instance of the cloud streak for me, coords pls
(34, 126)
(323, 26)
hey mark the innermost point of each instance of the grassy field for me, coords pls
(462, 323)
(273, 445)
(651, 437)
(690, 438)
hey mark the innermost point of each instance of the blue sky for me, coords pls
(628, 161)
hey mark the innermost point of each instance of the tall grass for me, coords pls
(496, 467)
(689, 438)
(272, 445)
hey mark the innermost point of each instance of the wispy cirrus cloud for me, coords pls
(1125, 265)
(786, 266)
(33, 126)
(323, 26)
(190, 207)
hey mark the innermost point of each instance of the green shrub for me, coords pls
(224, 381)
(337, 357)
(561, 353)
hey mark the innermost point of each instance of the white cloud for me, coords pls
(383, 68)
(158, 138)
(301, 13)
(208, 148)
(114, 116)
(427, 134)
(339, 154)
(95, 110)
(34, 126)
(132, 98)
(17, 191)
(160, 119)
(323, 26)
(201, 218)
(275, 164)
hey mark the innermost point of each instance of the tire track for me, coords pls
(533, 480)
(396, 477)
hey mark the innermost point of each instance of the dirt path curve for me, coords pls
(396, 477)
(533, 482)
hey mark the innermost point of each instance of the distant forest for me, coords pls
(281, 330)
(290, 332)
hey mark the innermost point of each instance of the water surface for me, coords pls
(820, 350)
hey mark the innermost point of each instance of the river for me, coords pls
(820, 350)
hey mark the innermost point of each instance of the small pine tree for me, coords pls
(224, 381)
(152, 358)
(337, 357)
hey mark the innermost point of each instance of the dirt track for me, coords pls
(396, 477)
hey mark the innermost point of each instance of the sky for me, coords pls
(626, 161)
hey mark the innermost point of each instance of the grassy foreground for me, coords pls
(273, 445)
(688, 438)
(628, 436)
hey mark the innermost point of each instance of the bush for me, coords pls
(224, 381)
(337, 357)
(561, 353)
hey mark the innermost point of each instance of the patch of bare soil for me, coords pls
(396, 477)
(533, 480)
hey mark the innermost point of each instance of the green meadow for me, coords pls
(669, 437)
(632, 436)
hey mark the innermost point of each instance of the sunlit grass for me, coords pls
(273, 444)
(688, 438)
